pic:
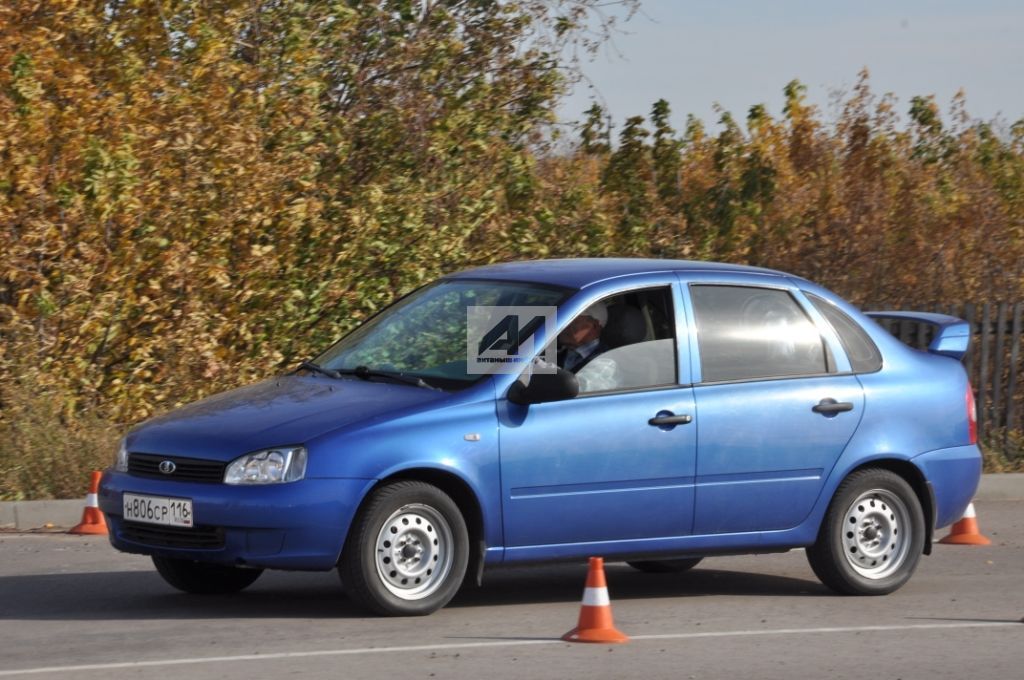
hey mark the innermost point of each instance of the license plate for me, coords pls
(175, 512)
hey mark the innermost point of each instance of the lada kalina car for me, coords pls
(751, 411)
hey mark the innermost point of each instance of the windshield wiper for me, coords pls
(365, 373)
(317, 368)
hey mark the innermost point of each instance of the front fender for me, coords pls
(461, 441)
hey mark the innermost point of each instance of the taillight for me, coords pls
(972, 416)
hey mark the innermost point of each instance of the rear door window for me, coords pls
(749, 333)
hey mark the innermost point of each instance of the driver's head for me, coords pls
(585, 327)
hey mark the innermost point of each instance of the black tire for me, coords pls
(203, 578)
(406, 552)
(666, 566)
(872, 536)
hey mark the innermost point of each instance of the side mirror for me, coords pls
(561, 384)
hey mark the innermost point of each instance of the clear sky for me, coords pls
(742, 52)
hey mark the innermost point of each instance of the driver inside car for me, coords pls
(579, 345)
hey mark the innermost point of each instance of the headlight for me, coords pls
(121, 459)
(272, 466)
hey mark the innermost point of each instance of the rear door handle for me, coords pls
(831, 406)
(668, 418)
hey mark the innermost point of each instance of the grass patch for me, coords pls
(44, 453)
(1004, 451)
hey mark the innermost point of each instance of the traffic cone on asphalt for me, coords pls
(965, 531)
(595, 624)
(92, 519)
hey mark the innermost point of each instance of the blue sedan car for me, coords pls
(650, 411)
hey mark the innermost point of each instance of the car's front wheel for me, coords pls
(203, 578)
(872, 536)
(407, 550)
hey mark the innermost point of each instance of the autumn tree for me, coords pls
(194, 195)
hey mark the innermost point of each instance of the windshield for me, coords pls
(424, 333)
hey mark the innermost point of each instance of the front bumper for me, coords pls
(298, 525)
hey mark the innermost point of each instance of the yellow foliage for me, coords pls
(197, 195)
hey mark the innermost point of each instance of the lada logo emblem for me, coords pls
(167, 466)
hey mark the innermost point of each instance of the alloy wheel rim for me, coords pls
(876, 534)
(413, 551)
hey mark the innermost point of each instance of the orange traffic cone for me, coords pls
(965, 531)
(92, 519)
(595, 624)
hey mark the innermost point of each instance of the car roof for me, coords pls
(582, 272)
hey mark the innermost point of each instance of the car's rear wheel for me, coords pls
(203, 578)
(872, 536)
(666, 566)
(407, 551)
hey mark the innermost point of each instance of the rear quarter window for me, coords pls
(860, 349)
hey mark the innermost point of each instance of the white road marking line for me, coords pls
(492, 644)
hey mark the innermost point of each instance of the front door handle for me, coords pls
(668, 418)
(830, 406)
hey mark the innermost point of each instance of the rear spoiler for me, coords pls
(952, 335)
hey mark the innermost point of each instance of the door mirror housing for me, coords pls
(543, 387)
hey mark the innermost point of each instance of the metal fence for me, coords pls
(993, 362)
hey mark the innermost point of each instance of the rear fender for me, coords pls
(898, 464)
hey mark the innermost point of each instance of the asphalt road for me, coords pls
(72, 607)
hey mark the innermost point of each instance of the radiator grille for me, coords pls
(185, 469)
